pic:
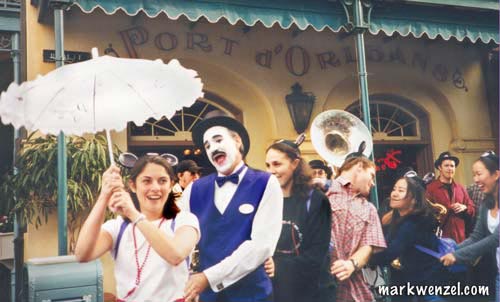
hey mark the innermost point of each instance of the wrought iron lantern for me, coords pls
(300, 105)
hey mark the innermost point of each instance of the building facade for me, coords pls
(428, 94)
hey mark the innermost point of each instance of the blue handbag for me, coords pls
(445, 246)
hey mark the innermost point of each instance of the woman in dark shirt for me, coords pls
(305, 236)
(411, 222)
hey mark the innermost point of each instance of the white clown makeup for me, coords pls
(222, 149)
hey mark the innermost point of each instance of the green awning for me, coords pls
(9, 21)
(10, 24)
(480, 4)
(432, 18)
(318, 14)
(446, 22)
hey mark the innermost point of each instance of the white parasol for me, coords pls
(103, 93)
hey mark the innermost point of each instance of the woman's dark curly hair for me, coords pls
(302, 175)
(170, 209)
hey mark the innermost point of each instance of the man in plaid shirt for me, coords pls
(476, 195)
(356, 230)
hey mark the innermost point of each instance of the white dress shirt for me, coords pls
(266, 229)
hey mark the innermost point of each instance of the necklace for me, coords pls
(139, 267)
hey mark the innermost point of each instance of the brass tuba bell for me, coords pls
(337, 133)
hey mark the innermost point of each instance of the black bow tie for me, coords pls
(234, 178)
(221, 180)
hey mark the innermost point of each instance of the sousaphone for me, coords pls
(337, 133)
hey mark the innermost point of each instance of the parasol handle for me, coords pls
(95, 54)
(110, 148)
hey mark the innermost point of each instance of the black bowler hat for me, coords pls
(321, 164)
(446, 156)
(188, 165)
(220, 118)
(318, 164)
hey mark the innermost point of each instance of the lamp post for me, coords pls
(300, 105)
(62, 189)
(358, 14)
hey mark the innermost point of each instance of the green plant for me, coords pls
(33, 190)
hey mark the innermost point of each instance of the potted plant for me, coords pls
(33, 189)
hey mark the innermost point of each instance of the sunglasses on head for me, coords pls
(410, 174)
(128, 159)
(488, 153)
(429, 177)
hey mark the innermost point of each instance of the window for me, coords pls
(390, 121)
(177, 128)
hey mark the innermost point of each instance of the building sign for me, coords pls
(297, 58)
(49, 56)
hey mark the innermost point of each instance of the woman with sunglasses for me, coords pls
(411, 223)
(150, 239)
(303, 244)
(483, 242)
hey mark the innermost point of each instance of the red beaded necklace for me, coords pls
(140, 267)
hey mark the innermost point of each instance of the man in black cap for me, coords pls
(187, 172)
(321, 174)
(240, 212)
(444, 190)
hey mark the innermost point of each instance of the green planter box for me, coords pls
(63, 279)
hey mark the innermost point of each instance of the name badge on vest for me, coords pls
(246, 208)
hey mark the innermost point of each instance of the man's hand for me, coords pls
(448, 259)
(342, 269)
(319, 183)
(269, 267)
(195, 285)
(458, 207)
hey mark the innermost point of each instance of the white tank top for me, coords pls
(492, 222)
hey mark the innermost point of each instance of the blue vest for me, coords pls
(222, 234)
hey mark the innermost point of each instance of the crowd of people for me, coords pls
(296, 232)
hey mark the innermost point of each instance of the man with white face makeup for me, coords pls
(240, 212)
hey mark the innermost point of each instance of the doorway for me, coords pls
(392, 161)
(401, 139)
